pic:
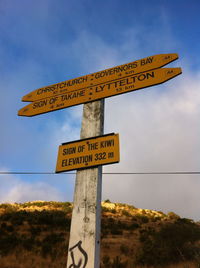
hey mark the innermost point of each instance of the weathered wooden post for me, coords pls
(84, 244)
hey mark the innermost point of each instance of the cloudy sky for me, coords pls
(46, 42)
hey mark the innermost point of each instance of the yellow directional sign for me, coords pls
(88, 153)
(112, 88)
(100, 77)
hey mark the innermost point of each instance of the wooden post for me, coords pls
(84, 243)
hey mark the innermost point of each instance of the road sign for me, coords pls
(88, 153)
(100, 77)
(112, 88)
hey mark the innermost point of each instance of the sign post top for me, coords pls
(121, 71)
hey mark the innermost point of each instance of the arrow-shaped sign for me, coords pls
(100, 91)
(100, 77)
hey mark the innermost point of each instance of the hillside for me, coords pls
(36, 234)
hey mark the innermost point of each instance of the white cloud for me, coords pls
(159, 131)
(13, 189)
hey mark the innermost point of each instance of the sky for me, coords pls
(46, 42)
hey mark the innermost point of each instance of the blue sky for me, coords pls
(45, 42)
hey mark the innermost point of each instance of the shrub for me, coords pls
(134, 226)
(107, 201)
(134, 218)
(105, 209)
(124, 249)
(8, 207)
(143, 212)
(113, 210)
(118, 263)
(53, 239)
(46, 249)
(35, 230)
(131, 207)
(116, 231)
(9, 228)
(27, 243)
(143, 219)
(173, 215)
(8, 244)
(67, 207)
(169, 244)
(49, 243)
(106, 261)
(126, 213)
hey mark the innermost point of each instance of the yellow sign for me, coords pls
(88, 153)
(100, 77)
(112, 88)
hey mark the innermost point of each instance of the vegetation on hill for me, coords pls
(36, 234)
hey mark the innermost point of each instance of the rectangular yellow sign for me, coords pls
(122, 71)
(89, 152)
(116, 87)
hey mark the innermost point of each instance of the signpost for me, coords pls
(94, 149)
(86, 153)
(84, 243)
(101, 91)
(101, 77)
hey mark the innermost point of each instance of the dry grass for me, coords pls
(180, 265)
(28, 260)
(124, 245)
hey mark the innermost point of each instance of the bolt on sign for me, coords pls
(97, 92)
(87, 153)
(122, 71)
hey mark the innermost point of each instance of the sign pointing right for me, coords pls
(101, 91)
(104, 76)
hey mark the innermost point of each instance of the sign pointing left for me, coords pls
(104, 76)
(97, 92)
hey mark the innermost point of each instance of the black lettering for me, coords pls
(39, 104)
(77, 160)
(146, 61)
(116, 70)
(76, 81)
(111, 155)
(70, 161)
(128, 80)
(150, 75)
(122, 82)
(64, 163)
(100, 156)
(149, 60)
(61, 85)
(92, 146)
(99, 88)
(71, 150)
(141, 77)
(108, 143)
(39, 91)
(72, 95)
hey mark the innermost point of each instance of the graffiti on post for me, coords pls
(81, 263)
